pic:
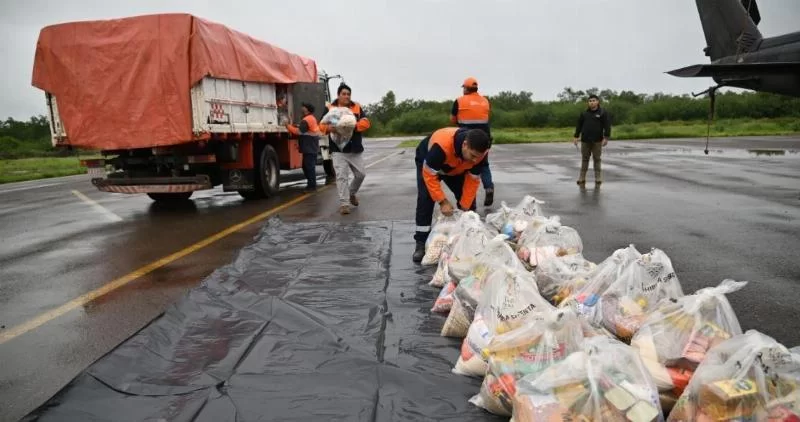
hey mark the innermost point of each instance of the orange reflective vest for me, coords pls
(471, 109)
(453, 165)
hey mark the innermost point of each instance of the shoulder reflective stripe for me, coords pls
(429, 169)
(423, 228)
(472, 122)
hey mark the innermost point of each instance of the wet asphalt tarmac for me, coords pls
(731, 214)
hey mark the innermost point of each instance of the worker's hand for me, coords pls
(446, 207)
(575, 140)
(605, 141)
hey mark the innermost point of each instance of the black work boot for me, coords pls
(419, 252)
(489, 198)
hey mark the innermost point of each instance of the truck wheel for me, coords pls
(267, 176)
(170, 196)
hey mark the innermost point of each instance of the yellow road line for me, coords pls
(116, 284)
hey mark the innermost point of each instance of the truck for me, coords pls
(175, 103)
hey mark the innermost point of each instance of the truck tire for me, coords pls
(268, 172)
(170, 196)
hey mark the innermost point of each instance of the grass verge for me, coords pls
(39, 168)
(662, 130)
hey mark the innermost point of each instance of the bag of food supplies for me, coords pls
(749, 377)
(584, 300)
(526, 351)
(559, 278)
(471, 237)
(638, 290)
(495, 256)
(605, 381)
(510, 298)
(512, 222)
(677, 335)
(439, 237)
(342, 123)
(548, 241)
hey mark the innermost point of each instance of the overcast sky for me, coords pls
(424, 49)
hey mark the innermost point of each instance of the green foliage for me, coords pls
(20, 139)
(519, 110)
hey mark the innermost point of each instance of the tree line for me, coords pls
(31, 138)
(519, 110)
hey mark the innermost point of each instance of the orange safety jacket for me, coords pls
(444, 157)
(471, 109)
(308, 132)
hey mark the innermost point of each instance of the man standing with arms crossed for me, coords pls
(472, 111)
(593, 130)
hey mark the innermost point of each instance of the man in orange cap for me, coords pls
(472, 111)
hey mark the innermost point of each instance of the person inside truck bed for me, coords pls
(350, 158)
(455, 156)
(308, 138)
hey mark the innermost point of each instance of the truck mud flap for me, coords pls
(153, 185)
(311, 322)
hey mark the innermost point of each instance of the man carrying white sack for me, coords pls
(455, 156)
(349, 156)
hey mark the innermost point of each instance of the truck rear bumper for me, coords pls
(153, 184)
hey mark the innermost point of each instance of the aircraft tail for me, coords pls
(729, 26)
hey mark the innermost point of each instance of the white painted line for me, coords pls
(30, 187)
(99, 208)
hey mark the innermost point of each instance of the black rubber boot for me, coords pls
(489, 198)
(419, 252)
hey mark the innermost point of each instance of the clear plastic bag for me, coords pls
(585, 299)
(511, 297)
(439, 237)
(471, 237)
(559, 278)
(512, 222)
(526, 351)
(445, 300)
(606, 381)
(678, 334)
(748, 377)
(442, 274)
(495, 256)
(551, 240)
(342, 123)
(638, 290)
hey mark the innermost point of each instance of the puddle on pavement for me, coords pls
(740, 153)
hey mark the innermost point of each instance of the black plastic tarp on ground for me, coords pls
(311, 322)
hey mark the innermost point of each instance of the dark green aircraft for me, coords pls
(740, 56)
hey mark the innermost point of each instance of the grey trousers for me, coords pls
(591, 150)
(343, 163)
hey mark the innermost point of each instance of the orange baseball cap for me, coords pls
(470, 82)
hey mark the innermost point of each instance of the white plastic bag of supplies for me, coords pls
(548, 241)
(599, 280)
(470, 238)
(526, 351)
(510, 298)
(439, 237)
(512, 222)
(559, 278)
(606, 381)
(638, 290)
(749, 377)
(342, 123)
(495, 256)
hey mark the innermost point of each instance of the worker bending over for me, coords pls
(472, 111)
(455, 156)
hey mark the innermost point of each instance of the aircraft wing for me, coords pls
(737, 70)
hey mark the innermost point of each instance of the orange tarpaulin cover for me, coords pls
(125, 83)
